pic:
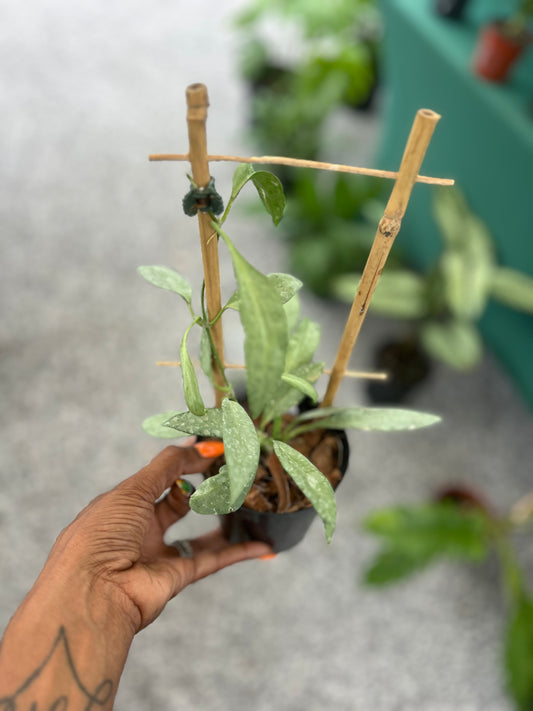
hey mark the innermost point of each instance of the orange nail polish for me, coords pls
(209, 449)
(268, 556)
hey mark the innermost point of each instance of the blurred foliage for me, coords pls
(463, 527)
(333, 64)
(330, 225)
(447, 302)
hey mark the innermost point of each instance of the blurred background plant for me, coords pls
(459, 524)
(304, 62)
(445, 304)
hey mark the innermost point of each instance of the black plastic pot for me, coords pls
(280, 530)
(407, 366)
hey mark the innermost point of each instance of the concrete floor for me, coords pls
(87, 91)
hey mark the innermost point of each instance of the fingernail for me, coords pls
(268, 556)
(185, 487)
(209, 449)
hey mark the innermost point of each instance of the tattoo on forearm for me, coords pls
(92, 700)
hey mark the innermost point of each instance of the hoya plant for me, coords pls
(445, 303)
(281, 371)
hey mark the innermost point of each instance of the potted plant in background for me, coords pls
(444, 304)
(459, 524)
(501, 43)
(278, 462)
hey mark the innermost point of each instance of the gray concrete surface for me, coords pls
(87, 91)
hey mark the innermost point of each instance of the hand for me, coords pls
(108, 575)
(117, 540)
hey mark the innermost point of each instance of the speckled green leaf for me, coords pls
(300, 384)
(366, 418)
(265, 329)
(155, 426)
(285, 284)
(207, 425)
(267, 185)
(226, 491)
(270, 191)
(302, 344)
(206, 363)
(191, 390)
(312, 482)
(166, 278)
(285, 396)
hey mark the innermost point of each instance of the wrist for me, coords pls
(69, 638)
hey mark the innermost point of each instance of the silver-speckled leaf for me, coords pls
(208, 425)
(226, 491)
(312, 482)
(265, 329)
(155, 426)
(191, 390)
(166, 278)
(366, 418)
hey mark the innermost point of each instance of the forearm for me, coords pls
(64, 648)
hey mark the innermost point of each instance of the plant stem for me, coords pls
(197, 103)
(389, 226)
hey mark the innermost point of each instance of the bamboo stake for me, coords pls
(197, 103)
(326, 371)
(389, 226)
(301, 163)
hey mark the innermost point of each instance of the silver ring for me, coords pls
(184, 548)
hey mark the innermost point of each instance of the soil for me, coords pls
(273, 490)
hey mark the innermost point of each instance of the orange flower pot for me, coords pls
(496, 53)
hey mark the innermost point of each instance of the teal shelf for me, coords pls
(484, 141)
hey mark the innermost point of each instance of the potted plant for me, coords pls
(444, 304)
(278, 462)
(458, 523)
(501, 42)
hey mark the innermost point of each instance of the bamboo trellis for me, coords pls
(404, 180)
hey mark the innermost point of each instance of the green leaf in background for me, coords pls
(512, 288)
(366, 418)
(519, 653)
(206, 425)
(300, 384)
(265, 329)
(399, 293)
(206, 362)
(312, 482)
(226, 491)
(155, 426)
(166, 278)
(302, 344)
(413, 536)
(285, 284)
(191, 390)
(466, 284)
(391, 565)
(457, 344)
(267, 185)
(451, 212)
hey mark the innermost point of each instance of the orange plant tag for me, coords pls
(209, 449)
